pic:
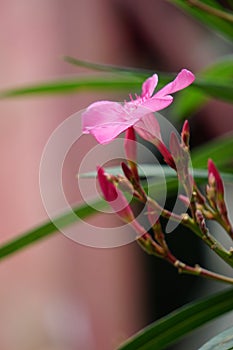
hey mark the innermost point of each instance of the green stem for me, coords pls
(197, 270)
(212, 10)
(164, 212)
(190, 223)
(210, 241)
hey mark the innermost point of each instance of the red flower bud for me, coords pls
(130, 145)
(214, 175)
(185, 134)
(131, 151)
(108, 189)
(118, 201)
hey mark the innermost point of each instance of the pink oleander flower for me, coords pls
(105, 120)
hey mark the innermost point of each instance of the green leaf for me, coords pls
(84, 211)
(143, 73)
(187, 103)
(158, 171)
(129, 79)
(218, 89)
(222, 341)
(220, 150)
(49, 228)
(218, 24)
(75, 85)
(191, 99)
(174, 326)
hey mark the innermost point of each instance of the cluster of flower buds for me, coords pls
(201, 208)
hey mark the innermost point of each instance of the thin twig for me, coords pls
(197, 270)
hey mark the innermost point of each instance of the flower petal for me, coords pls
(107, 133)
(183, 79)
(148, 127)
(149, 85)
(105, 120)
(100, 113)
(155, 104)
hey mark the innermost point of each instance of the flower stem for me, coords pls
(197, 270)
(210, 241)
(164, 212)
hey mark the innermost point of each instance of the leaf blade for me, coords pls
(193, 98)
(174, 326)
(223, 341)
(210, 20)
(221, 152)
(48, 228)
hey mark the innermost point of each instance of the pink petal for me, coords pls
(149, 85)
(100, 113)
(156, 104)
(148, 127)
(105, 120)
(183, 79)
(107, 133)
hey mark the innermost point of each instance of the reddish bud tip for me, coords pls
(130, 145)
(130, 134)
(166, 154)
(213, 172)
(185, 134)
(107, 188)
(127, 172)
(116, 199)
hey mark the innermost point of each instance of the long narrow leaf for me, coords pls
(192, 99)
(109, 67)
(49, 228)
(84, 211)
(73, 85)
(218, 24)
(222, 341)
(174, 326)
(220, 150)
(150, 170)
(219, 89)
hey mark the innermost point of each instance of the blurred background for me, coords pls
(57, 294)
